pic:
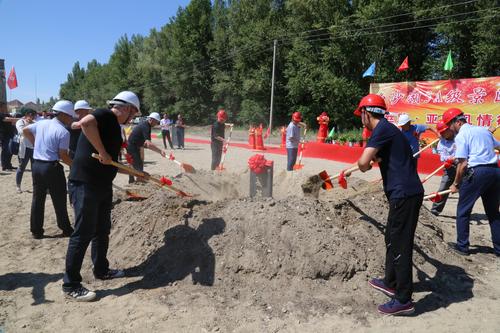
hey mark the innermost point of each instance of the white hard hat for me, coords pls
(82, 105)
(65, 107)
(155, 116)
(403, 119)
(127, 97)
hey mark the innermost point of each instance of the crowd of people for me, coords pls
(77, 131)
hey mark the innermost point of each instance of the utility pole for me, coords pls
(272, 89)
(3, 90)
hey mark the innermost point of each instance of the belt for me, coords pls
(491, 165)
(46, 161)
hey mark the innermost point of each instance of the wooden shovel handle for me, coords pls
(433, 173)
(425, 148)
(430, 196)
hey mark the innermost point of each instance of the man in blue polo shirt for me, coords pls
(477, 176)
(51, 143)
(404, 191)
(413, 132)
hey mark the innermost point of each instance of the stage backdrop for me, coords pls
(425, 101)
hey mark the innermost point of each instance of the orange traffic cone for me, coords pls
(259, 141)
(251, 137)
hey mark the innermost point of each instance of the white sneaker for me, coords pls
(19, 189)
(81, 294)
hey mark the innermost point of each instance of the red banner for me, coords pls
(425, 101)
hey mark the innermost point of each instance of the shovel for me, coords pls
(130, 195)
(446, 165)
(186, 167)
(299, 165)
(220, 167)
(436, 196)
(426, 147)
(158, 181)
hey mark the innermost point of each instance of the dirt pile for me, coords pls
(291, 254)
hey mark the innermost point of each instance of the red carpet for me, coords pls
(428, 162)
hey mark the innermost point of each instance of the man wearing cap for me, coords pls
(92, 193)
(413, 132)
(82, 108)
(293, 139)
(25, 153)
(141, 137)
(51, 141)
(217, 137)
(446, 149)
(404, 192)
(477, 175)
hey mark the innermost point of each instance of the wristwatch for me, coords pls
(456, 184)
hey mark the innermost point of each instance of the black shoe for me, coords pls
(111, 274)
(67, 233)
(37, 236)
(454, 247)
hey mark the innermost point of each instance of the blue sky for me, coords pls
(43, 39)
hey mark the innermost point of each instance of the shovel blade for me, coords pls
(188, 168)
(327, 183)
(298, 166)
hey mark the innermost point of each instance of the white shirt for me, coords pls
(50, 137)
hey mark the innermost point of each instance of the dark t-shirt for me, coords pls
(140, 133)
(87, 169)
(398, 167)
(73, 139)
(217, 130)
(7, 130)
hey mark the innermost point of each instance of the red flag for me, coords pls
(404, 66)
(268, 131)
(12, 81)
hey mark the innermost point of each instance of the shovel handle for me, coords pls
(351, 169)
(433, 173)
(430, 196)
(425, 148)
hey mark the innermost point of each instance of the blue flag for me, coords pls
(370, 71)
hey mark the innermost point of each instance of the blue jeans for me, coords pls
(92, 205)
(291, 154)
(23, 162)
(484, 183)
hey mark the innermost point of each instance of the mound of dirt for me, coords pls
(291, 253)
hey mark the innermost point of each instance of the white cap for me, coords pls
(126, 97)
(403, 119)
(82, 105)
(155, 116)
(65, 107)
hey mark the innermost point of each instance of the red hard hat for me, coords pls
(372, 100)
(451, 114)
(296, 116)
(221, 115)
(441, 126)
(323, 114)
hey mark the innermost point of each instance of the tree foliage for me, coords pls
(220, 52)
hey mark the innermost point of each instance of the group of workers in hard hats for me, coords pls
(474, 173)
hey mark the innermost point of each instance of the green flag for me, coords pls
(448, 66)
(330, 135)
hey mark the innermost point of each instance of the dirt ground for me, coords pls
(221, 261)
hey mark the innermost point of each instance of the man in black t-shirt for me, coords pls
(217, 138)
(402, 186)
(141, 137)
(91, 191)
(7, 132)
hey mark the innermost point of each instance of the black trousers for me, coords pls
(399, 236)
(166, 135)
(5, 156)
(138, 163)
(216, 154)
(49, 176)
(92, 205)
